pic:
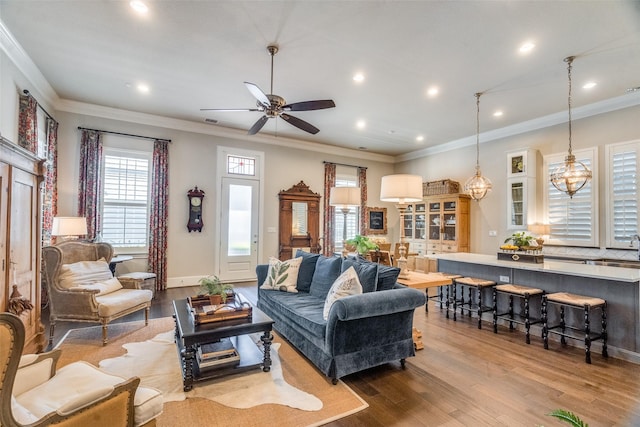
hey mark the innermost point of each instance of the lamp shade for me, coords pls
(69, 226)
(539, 229)
(344, 196)
(401, 188)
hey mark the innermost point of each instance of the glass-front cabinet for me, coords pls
(521, 189)
(447, 223)
(414, 227)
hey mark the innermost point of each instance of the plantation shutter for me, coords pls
(623, 192)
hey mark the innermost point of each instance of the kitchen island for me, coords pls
(620, 287)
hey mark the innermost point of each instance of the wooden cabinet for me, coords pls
(415, 231)
(20, 210)
(299, 221)
(447, 218)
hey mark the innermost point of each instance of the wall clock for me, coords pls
(195, 209)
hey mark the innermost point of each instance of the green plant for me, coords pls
(568, 417)
(211, 285)
(362, 244)
(520, 239)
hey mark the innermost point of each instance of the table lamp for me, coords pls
(68, 227)
(540, 230)
(401, 189)
(344, 198)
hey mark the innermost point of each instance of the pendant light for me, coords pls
(572, 175)
(478, 186)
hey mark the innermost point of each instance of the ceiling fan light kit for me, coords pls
(572, 175)
(274, 106)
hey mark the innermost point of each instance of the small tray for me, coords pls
(204, 312)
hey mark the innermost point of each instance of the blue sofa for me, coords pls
(361, 331)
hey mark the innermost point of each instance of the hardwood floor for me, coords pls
(470, 377)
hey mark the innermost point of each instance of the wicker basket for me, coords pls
(444, 186)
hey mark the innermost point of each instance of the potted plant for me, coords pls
(362, 244)
(520, 239)
(218, 292)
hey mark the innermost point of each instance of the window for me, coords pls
(125, 209)
(241, 165)
(573, 221)
(352, 218)
(622, 183)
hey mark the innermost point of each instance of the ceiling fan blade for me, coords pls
(224, 110)
(258, 125)
(310, 105)
(300, 124)
(258, 94)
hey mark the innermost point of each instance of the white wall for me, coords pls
(491, 213)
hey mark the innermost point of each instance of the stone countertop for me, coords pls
(549, 266)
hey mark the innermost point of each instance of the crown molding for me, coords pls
(82, 108)
(22, 61)
(601, 107)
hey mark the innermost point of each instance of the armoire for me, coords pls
(21, 174)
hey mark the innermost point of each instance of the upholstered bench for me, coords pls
(572, 301)
(143, 279)
(523, 318)
(471, 283)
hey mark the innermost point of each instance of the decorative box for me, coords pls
(521, 257)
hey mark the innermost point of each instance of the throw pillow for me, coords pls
(367, 272)
(387, 277)
(84, 272)
(346, 284)
(326, 272)
(282, 275)
(307, 268)
(105, 287)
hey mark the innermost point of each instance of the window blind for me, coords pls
(623, 191)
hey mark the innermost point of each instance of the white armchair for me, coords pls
(82, 288)
(34, 393)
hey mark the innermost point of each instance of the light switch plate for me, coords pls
(493, 233)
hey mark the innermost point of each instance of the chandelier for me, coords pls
(572, 175)
(478, 186)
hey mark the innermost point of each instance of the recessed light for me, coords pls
(143, 88)
(358, 77)
(498, 114)
(526, 47)
(589, 85)
(433, 91)
(361, 124)
(419, 138)
(139, 6)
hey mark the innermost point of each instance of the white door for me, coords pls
(239, 229)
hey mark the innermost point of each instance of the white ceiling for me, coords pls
(197, 54)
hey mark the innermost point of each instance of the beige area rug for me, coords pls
(336, 401)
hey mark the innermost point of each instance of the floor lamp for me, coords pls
(401, 189)
(344, 198)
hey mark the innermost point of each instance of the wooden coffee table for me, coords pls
(190, 336)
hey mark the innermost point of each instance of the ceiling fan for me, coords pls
(275, 106)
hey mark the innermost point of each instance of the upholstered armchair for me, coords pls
(34, 393)
(82, 288)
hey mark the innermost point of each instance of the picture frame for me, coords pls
(376, 220)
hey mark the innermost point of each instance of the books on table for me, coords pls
(217, 354)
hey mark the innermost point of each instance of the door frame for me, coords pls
(221, 171)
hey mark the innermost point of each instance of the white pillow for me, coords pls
(282, 275)
(105, 287)
(346, 284)
(84, 272)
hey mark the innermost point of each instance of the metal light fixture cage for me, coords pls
(478, 186)
(572, 175)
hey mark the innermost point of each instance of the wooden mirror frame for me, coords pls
(288, 242)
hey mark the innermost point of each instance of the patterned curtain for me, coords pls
(50, 203)
(28, 123)
(329, 211)
(158, 219)
(90, 181)
(362, 183)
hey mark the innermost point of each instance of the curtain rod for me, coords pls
(26, 92)
(343, 164)
(126, 134)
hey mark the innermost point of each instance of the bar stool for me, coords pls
(439, 297)
(518, 291)
(572, 301)
(471, 283)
